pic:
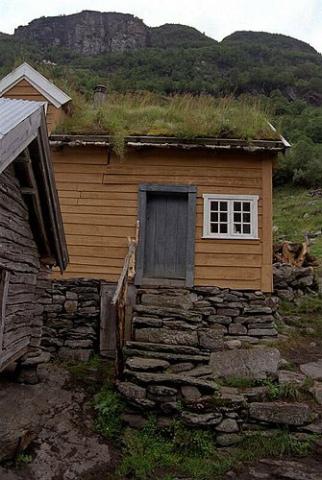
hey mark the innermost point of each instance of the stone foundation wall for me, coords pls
(189, 344)
(291, 282)
(71, 318)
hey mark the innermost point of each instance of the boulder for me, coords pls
(254, 363)
(281, 413)
(312, 369)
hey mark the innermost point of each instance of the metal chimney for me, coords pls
(99, 95)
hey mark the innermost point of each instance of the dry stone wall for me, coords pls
(71, 318)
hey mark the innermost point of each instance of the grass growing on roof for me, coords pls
(181, 116)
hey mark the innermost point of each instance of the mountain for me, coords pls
(121, 50)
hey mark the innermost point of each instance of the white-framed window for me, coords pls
(230, 216)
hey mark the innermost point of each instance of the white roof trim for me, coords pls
(25, 72)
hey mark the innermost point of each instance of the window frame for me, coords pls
(230, 199)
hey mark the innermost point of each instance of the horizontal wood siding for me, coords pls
(24, 91)
(99, 193)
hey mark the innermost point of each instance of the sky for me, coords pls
(301, 19)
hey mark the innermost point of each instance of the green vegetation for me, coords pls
(166, 454)
(108, 406)
(23, 459)
(297, 213)
(182, 116)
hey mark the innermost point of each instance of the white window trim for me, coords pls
(253, 199)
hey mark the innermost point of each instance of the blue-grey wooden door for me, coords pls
(165, 252)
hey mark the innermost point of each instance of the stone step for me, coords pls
(161, 347)
(171, 357)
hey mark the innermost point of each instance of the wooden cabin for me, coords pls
(26, 83)
(201, 210)
(31, 231)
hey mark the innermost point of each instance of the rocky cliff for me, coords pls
(87, 32)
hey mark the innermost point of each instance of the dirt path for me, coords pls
(57, 422)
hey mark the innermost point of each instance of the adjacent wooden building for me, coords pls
(31, 231)
(26, 83)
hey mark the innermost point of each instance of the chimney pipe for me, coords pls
(99, 95)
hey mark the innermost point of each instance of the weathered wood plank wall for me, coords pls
(18, 256)
(98, 195)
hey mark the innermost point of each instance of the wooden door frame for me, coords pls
(191, 192)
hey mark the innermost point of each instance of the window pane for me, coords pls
(237, 227)
(246, 217)
(214, 227)
(223, 206)
(246, 229)
(246, 206)
(223, 217)
(214, 206)
(214, 216)
(237, 206)
(237, 217)
(223, 228)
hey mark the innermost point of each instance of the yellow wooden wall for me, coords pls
(23, 90)
(98, 195)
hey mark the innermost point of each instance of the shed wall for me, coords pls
(98, 194)
(24, 91)
(19, 256)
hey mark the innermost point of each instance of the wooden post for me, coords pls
(107, 323)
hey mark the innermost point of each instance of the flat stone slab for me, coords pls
(172, 379)
(137, 363)
(254, 363)
(281, 413)
(286, 376)
(312, 369)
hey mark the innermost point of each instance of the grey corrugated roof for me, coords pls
(12, 112)
(19, 124)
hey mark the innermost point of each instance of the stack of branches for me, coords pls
(295, 254)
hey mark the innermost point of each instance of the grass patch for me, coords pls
(90, 375)
(179, 451)
(23, 459)
(109, 407)
(295, 214)
(181, 116)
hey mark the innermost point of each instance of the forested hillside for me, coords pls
(282, 72)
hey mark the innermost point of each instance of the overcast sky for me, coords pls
(217, 18)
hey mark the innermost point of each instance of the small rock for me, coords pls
(70, 306)
(180, 367)
(190, 394)
(281, 413)
(228, 425)
(316, 391)
(227, 440)
(134, 420)
(237, 329)
(131, 391)
(201, 420)
(312, 369)
(287, 376)
(220, 319)
(233, 344)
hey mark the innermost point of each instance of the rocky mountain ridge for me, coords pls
(94, 33)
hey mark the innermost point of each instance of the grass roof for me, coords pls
(180, 116)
